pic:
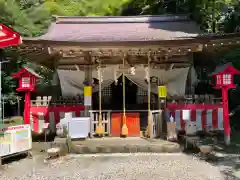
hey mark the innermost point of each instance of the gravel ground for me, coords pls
(112, 167)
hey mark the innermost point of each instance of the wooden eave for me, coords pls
(71, 54)
(86, 53)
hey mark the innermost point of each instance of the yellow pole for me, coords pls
(124, 126)
(99, 128)
(149, 99)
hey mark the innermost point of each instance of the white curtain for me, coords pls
(175, 79)
(194, 79)
(107, 75)
(71, 82)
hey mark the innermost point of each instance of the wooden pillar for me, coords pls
(226, 115)
(163, 107)
(159, 100)
(88, 78)
(162, 102)
(149, 126)
(27, 104)
(55, 80)
(192, 89)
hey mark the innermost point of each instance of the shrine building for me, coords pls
(125, 60)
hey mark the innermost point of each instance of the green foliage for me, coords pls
(30, 17)
(28, 21)
(84, 7)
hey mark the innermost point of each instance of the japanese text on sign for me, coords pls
(162, 91)
(15, 139)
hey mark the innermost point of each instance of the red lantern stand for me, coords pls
(224, 78)
(27, 83)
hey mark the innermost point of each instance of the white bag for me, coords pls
(190, 128)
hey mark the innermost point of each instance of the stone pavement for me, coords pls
(140, 166)
(123, 145)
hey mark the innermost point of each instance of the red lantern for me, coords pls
(27, 83)
(224, 78)
(27, 79)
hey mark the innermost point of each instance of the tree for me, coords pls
(29, 19)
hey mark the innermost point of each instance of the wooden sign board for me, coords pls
(87, 95)
(87, 90)
(162, 91)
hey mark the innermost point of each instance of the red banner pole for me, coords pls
(27, 104)
(226, 115)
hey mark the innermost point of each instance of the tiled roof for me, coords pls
(221, 68)
(32, 72)
(111, 29)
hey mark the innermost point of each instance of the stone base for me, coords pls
(123, 145)
(110, 145)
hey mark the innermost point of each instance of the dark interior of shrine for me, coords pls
(115, 95)
(130, 94)
(135, 100)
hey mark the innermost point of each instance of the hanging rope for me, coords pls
(147, 70)
(124, 126)
(100, 129)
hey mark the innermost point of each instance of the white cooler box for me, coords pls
(79, 127)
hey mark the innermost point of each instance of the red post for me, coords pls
(226, 115)
(27, 104)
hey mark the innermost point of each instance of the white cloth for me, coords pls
(71, 82)
(175, 79)
(107, 76)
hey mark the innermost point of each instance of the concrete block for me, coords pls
(156, 148)
(91, 150)
(53, 152)
(143, 148)
(171, 148)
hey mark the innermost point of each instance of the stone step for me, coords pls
(115, 145)
(83, 149)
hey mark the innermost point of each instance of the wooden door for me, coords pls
(132, 121)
